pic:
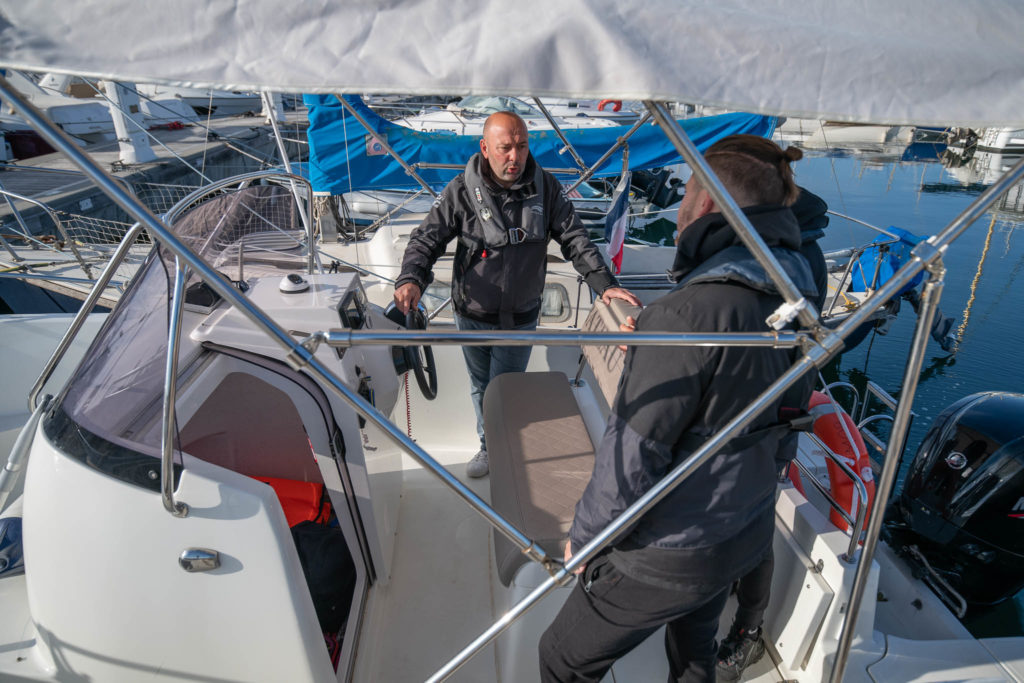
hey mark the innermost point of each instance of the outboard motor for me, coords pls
(960, 515)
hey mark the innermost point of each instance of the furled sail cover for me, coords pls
(343, 155)
(911, 62)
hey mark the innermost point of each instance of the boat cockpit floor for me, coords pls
(444, 592)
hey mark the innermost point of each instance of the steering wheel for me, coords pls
(422, 365)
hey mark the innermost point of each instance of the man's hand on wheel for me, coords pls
(407, 296)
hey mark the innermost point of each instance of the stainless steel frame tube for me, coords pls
(929, 303)
(589, 173)
(388, 148)
(733, 213)
(561, 136)
(346, 338)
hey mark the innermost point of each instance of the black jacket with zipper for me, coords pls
(495, 281)
(671, 398)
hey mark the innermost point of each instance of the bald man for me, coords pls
(504, 208)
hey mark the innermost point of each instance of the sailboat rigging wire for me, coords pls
(148, 133)
(156, 103)
(864, 223)
(206, 143)
(832, 164)
(311, 250)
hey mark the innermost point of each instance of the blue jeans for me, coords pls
(487, 362)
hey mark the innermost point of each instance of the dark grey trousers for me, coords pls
(609, 613)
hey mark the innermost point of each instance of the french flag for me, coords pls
(615, 222)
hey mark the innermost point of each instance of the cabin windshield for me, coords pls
(114, 400)
(487, 105)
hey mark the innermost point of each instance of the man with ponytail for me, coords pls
(675, 566)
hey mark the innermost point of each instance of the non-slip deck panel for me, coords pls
(541, 459)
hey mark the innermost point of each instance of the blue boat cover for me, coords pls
(887, 258)
(343, 157)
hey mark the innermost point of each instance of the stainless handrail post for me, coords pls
(177, 509)
(90, 302)
(929, 303)
(751, 239)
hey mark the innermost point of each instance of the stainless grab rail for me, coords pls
(178, 509)
(56, 221)
(862, 495)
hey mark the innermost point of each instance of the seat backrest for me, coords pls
(606, 362)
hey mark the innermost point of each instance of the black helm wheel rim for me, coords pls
(422, 365)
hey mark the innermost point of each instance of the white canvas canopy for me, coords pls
(907, 62)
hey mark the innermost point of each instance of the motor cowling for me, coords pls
(962, 504)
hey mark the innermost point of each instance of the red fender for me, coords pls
(828, 428)
(616, 105)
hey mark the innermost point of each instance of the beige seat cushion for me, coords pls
(541, 459)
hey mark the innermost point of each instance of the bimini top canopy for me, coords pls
(906, 62)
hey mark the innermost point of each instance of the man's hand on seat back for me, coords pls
(628, 326)
(619, 293)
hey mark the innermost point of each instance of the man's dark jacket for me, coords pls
(496, 281)
(719, 521)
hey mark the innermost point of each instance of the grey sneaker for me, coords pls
(740, 649)
(477, 467)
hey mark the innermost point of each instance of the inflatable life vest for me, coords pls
(829, 421)
(302, 501)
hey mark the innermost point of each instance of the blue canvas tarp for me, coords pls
(343, 157)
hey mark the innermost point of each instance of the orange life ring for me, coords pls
(828, 426)
(616, 105)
